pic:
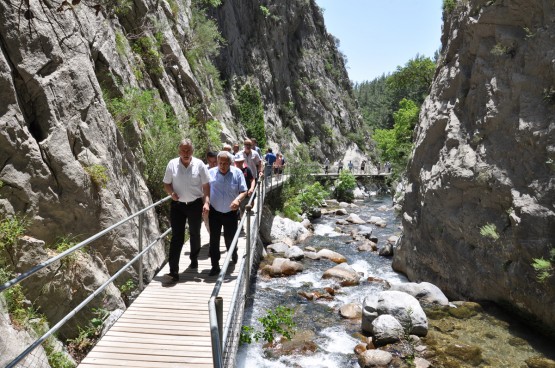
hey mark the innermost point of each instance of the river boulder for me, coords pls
(374, 359)
(350, 311)
(355, 219)
(369, 312)
(331, 255)
(294, 253)
(278, 247)
(425, 292)
(282, 267)
(344, 274)
(386, 329)
(406, 309)
(279, 229)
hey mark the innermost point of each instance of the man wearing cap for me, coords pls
(227, 190)
(187, 182)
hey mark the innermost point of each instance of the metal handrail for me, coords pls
(218, 330)
(76, 247)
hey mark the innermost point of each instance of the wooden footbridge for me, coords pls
(168, 324)
(192, 323)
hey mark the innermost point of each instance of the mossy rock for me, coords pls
(436, 313)
(444, 326)
(463, 312)
(540, 362)
(517, 341)
(469, 354)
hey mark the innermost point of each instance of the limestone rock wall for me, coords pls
(287, 53)
(485, 154)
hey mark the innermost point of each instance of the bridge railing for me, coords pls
(26, 358)
(225, 334)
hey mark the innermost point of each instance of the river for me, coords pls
(324, 339)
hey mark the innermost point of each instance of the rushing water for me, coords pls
(324, 339)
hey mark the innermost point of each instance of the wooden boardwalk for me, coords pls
(168, 325)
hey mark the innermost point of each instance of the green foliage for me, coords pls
(544, 267)
(344, 186)
(549, 95)
(127, 287)
(449, 5)
(251, 113)
(98, 175)
(161, 131)
(205, 39)
(11, 229)
(277, 321)
(375, 100)
(308, 200)
(412, 81)
(395, 144)
(265, 11)
(148, 48)
(85, 341)
(206, 137)
(499, 49)
(121, 43)
(489, 231)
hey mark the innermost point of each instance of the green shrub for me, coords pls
(251, 113)
(85, 341)
(344, 186)
(11, 229)
(489, 231)
(265, 11)
(148, 48)
(307, 201)
(544, 267)
(98, 175)
(161, 131)
(206, 137)
(277, 321)
(121, 44)
(449, 5)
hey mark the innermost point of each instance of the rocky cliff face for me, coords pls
(283, 47)
(485, 155)
(58, 61)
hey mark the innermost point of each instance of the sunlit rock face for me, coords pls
(485, 155)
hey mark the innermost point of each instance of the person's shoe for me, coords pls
(214, 271)
(171, 277)
(194, 264)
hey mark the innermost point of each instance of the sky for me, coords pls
(379, 35)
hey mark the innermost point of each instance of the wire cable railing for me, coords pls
(17, 280)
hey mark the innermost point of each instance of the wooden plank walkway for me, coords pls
(168, 325)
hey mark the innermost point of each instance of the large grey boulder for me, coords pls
(425, 292)
(280, 229)
(369, 312)
(294, 253)
(278, 247)
(406, 309)
(386, 329)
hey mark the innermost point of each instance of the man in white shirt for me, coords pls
(252, 159)
(187, 182)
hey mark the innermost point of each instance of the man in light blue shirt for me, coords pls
(227, 190)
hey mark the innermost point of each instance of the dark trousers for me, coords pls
(179, 214)
(229, 222)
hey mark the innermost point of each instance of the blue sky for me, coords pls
(377, 36)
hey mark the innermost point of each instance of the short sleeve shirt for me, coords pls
(225, 188)
(187, 182)
(252, 161)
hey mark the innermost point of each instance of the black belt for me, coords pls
(191, 202)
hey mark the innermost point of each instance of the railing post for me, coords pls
(248, 260)
(141, 224)
(219, 303)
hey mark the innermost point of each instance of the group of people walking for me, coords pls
(214, 192)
